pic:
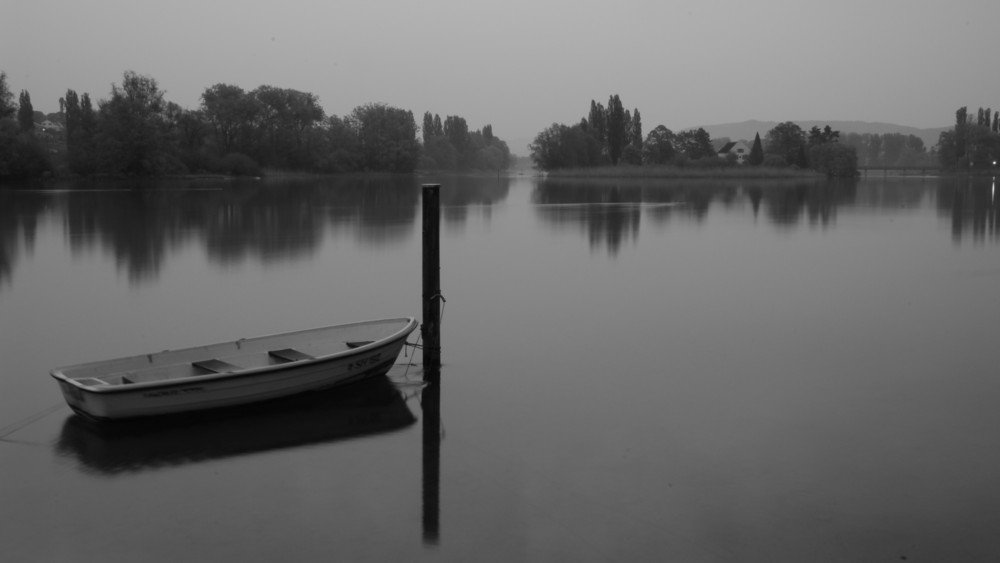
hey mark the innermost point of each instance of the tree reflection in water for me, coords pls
(609, 211)
(141, 223)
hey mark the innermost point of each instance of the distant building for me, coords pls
(49, 125)
(737, 148)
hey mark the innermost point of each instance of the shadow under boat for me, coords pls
(371, 406)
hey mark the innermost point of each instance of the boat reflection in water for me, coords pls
(371, 406)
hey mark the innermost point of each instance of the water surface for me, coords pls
(689, 371)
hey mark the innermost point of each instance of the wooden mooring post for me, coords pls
(430, 330)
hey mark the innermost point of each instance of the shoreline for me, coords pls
(679, 172)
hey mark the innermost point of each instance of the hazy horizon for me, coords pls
(522, 66)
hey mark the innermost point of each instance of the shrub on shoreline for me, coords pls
(688, 170)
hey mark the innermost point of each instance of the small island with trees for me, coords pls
(609, 141)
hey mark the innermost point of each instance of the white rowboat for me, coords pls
(244, 371)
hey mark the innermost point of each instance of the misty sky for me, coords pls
(522, 65)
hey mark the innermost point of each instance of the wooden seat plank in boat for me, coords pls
(290, 355)
(216, 366)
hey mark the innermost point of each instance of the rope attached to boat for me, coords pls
(35, 417)
(417, 345)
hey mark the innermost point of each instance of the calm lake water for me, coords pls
(633, 371)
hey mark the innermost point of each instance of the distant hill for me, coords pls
(747, 129)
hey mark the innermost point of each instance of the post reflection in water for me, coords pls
(371, 406)
(430, 404)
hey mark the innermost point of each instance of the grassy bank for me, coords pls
(741, 172)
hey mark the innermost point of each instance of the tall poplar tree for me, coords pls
(598, 121)
(628, 128)
(428, 128)
(636, 128)
(961, 116)
(7, 108)
(756, 152)
(25, 113)
(616, 128)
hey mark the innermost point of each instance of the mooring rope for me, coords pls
(14, 427)
(417, 346)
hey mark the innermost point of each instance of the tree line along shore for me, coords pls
(609, 141)
(136, 131)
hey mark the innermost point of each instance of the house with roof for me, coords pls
(49, 125)
(737, 148)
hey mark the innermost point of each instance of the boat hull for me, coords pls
(111, 399)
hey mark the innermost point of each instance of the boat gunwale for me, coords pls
(408, 327)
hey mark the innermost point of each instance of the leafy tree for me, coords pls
(756, 152)
(801, 158)
(561, 146)
(827, 135)
(875, 149)
(21, 156)
(659, 146)
(131, 130)
(457, 132)
(191, 128)
(834, 159)
(439, 154)
(387, 137)
(597, 121)
(341, 146)
(284, 120)
(487, 151)
(494, 156)
(25, 113)
(785, 139)
(231, 113)
(892, 148)
(616, 128)
(632, 154)
(947, 153)
(7, 107)
(455, 147)
(695, 144)
(982, 146)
